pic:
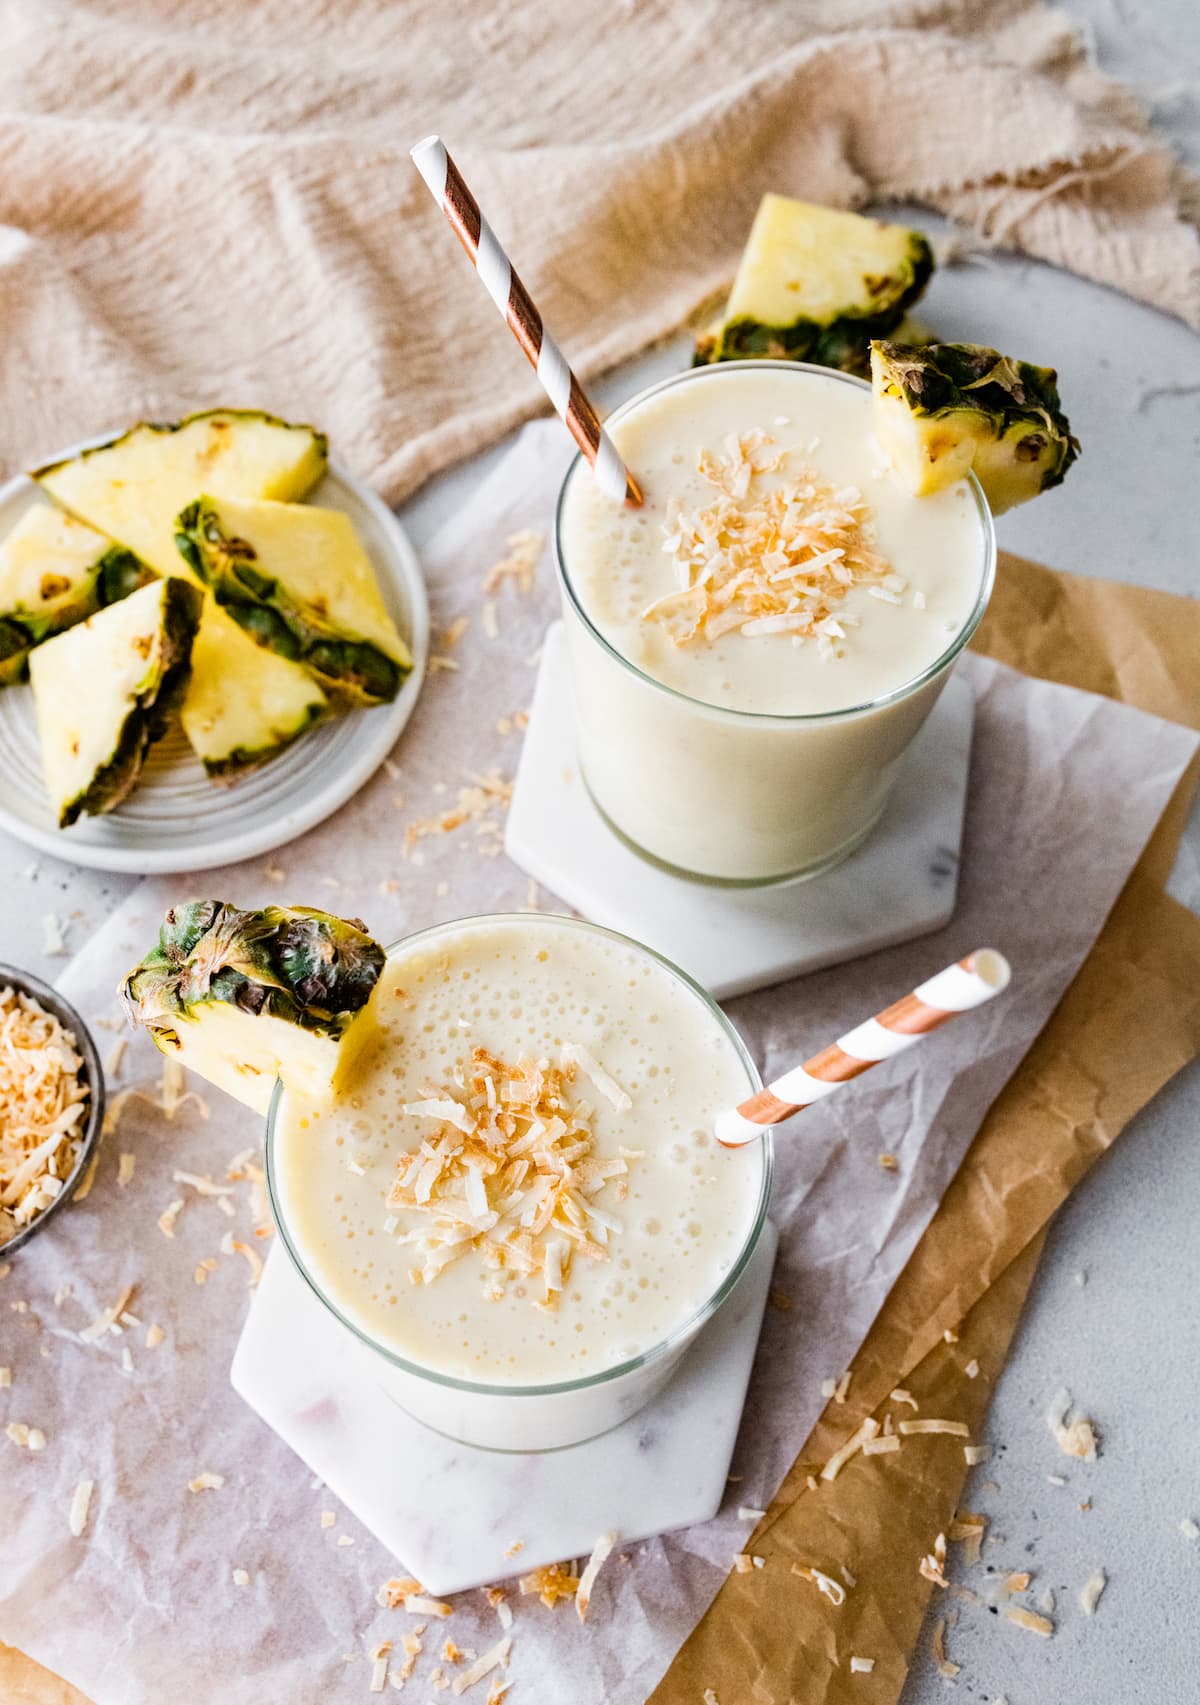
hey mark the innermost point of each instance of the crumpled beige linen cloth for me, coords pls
(210, 202)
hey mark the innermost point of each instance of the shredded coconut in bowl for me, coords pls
(44, 1105)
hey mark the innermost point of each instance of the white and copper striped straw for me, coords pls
(978, 978)
(449, 190)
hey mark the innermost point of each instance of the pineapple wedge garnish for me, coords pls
(296, 579)
(133, 487)
(950, 409)
(55, 572)
(817, 285)
(243, 705)
(102, 691)
(248, 997)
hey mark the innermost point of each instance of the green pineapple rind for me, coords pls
(112, 577)
(843, 343)
(242, 759)
(146, 719)
(295, 963)
(261, 607)
(968, 378)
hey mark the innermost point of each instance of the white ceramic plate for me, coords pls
(176, 819)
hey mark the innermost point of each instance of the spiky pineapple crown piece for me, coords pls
(295, 962)
(939, 377)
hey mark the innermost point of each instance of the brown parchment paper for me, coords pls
(767, 1638)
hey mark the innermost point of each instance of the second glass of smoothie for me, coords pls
(754, 650)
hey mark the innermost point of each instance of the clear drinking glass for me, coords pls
(733, 797)
(511, 1417)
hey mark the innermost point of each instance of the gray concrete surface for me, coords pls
(1126, 1342)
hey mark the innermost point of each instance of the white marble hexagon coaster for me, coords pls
(900, 885)
(449, 1512)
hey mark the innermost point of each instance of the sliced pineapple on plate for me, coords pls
(54, 572)
(246, 997)
(133, 487)
(297, 580)
(949, 409)
(102, 691)
(817, 284)
(242, 704)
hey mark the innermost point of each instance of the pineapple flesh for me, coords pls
(55, 572)
(949, 409)
(243, 705)
(102, 692)
(816, 284)
(297, 580)
(133, 487)
(248, 997)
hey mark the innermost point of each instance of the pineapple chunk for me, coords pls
(816, 284)
(102, 691)
(135, 486)
(243, 704)
(248, 997)
(950, 409)
(297, 580)
(55, 572)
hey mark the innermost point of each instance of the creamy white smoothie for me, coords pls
(522, 1189)
(754, 648)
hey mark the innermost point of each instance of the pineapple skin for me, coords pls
(831, 332)
(347, 665)
(145, 720)
(947, 409)
(245, 997)
(112, 577)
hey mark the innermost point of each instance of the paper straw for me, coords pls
(976, 979)
(500, 280)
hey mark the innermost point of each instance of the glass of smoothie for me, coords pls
(520, 1211)
(754, 649)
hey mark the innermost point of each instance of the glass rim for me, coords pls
(630, 1364)
(942, 662)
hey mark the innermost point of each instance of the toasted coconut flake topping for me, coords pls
(956, 1429)
(206, 1482)
(761, 559)
(551, 1582)
(417, 1604)
(1031, 1620)
(945, 1668)
(509, 1174)
(834, 1591)
(43, 1100)
(1075, 1434)
(80, 1505)
(601, 1551)
(483, 1665)
(1089, 1592)
(868, 1430)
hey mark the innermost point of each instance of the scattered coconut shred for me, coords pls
(510, 1173)
(1074, 1434)
(767, 561)
(42, 1103)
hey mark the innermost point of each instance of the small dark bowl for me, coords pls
(92, 1075)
